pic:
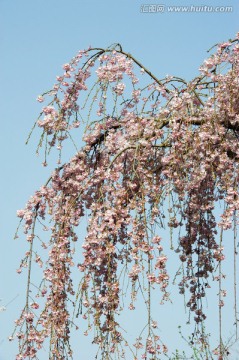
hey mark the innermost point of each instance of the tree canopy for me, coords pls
(150, 154)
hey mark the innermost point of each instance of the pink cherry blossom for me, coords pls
(155, 154)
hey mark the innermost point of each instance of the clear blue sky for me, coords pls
(36, 38)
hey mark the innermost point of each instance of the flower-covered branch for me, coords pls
(155, 154)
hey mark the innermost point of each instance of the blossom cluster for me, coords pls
(149, 145)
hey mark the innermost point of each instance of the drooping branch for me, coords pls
(162, 154)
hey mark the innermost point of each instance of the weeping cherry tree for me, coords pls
(149, 155)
